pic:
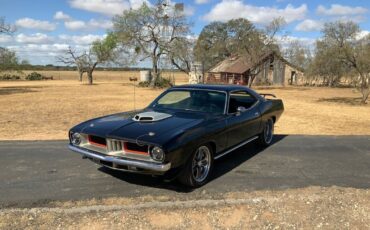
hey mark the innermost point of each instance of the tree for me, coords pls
(152, 32)
(298, 54)
(8, 60)
(5, 28)
(352, 51)
(219, 40)
(100, 52)
(72, 58)
(212, 46)
(181, 55)
(326, 66)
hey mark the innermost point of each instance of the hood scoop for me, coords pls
(150, 116)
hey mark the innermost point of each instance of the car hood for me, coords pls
(123, 126)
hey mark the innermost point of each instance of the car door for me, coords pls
(245, 123)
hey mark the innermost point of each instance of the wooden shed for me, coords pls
(272, 70)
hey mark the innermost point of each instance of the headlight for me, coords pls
(76, 138)
(157, 154)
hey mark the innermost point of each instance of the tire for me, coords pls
(198, 168)
(265, 138)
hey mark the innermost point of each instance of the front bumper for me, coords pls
(120, 163)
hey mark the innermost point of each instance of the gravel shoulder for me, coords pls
(305, 208)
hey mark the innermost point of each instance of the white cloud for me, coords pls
(309, 25)
(4, 38)
(81, 40)
(201, 1)
(136, 4)
(30, 23)
(34, 38)
(362, 34)
(232, 9)
(62, 16)
(286, 40)
(189, 10)
(75, 25)
(102, 24)
(107, 7)
(337, 10)
(92, 24)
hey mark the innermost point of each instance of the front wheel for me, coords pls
(198, 168)
(265, 138)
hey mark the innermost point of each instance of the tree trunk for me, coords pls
(251, 79)
(90, 77)
(90, 73)
(365, 95)
(80, 75)
(155, 74)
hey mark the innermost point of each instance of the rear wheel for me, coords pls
(265, 138)
(198, 168)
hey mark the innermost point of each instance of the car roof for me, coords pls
(226, 88)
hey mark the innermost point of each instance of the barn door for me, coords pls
(279, 72)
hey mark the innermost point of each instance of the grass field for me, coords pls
(43, 110)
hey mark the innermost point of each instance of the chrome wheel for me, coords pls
(268, 131)
(201, 164)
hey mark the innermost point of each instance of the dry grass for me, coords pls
(47, 109)
(120, 76)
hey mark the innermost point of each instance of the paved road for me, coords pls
(36, 172)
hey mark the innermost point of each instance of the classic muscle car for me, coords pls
(181, 132)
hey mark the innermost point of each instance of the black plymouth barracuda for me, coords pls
(181, 132)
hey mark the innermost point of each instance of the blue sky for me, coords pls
(45, 28)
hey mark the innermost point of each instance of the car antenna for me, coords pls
(134, 79)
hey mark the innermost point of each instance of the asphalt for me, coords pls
(37, 172)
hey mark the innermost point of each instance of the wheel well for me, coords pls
(213, 146)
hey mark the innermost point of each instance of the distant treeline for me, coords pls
(72, 68)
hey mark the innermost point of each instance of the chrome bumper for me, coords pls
(119, 161)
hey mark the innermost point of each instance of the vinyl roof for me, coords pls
(212, 87)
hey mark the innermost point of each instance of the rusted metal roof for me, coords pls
(240, 64)
(236, 64)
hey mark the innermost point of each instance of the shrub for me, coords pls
(160, 83)
(34, 76)
(9, 77)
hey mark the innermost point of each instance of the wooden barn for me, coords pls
(273, 70)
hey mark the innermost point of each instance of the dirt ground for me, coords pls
(305, 208)
(43, 110)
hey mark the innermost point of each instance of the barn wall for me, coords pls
(298, 77)
(279, 72)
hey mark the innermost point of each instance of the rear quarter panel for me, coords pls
(271, 108)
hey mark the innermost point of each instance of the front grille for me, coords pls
(95, 140)
(114, 145)
(133, 147)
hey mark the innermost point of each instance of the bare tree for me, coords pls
(72, 58)
(5, 28)
(151, 32)
(298, 54)
(181, 54)
(100, 52)
(352, 51)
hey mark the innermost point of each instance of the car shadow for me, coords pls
(221, 167)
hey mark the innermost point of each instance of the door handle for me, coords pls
(256, 113)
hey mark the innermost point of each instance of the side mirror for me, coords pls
(240, 110)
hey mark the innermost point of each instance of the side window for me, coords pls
(240, 98)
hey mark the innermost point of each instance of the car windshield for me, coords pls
(192, 100)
